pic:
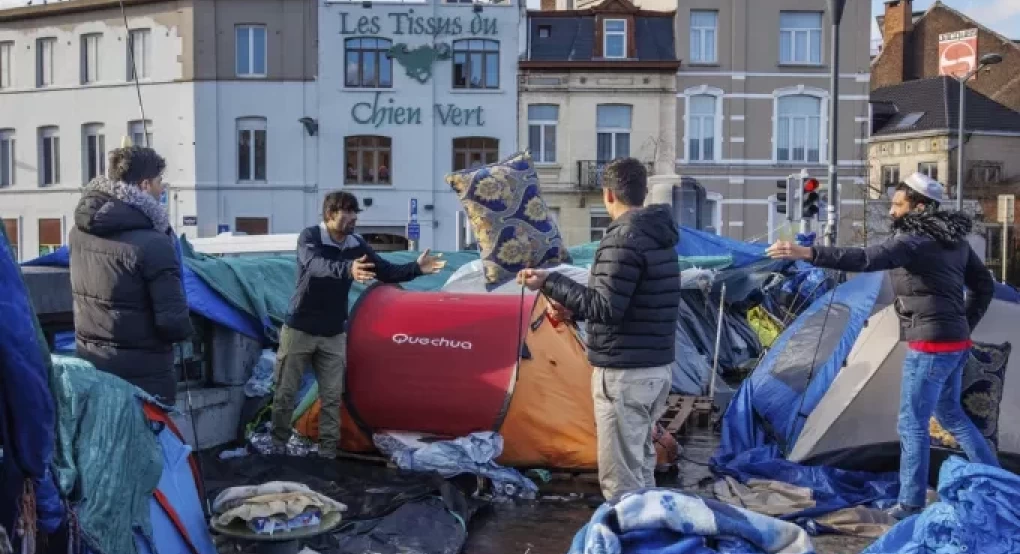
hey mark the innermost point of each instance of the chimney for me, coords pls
(899, 18)
(548, 5)
(897, 26)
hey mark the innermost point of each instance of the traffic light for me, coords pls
(786, 198)
(809, 198)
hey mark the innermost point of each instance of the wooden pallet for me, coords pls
(685, 412)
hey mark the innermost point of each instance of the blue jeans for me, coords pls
(932, 383)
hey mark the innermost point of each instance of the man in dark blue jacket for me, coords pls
(929, 262)
(330, 258)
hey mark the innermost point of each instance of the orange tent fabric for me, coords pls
(550, 421)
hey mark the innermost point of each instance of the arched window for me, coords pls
(471, 152)
(368, 64)
(93, 151)
(369, 160)
(798, 128)
(476, 63)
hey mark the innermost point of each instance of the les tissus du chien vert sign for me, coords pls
(417, 63)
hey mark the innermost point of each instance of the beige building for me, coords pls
(753, 105)
(596, 84)
(915, 130)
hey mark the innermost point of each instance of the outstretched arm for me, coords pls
(391, 273)
(891, 254)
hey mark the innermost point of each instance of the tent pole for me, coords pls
(718, 340)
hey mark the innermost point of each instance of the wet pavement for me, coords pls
(547, 527)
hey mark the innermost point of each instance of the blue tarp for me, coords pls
(700, 243)
(202, 299)
(978, 512)
(772, 404)
(1007, 293)
(27, 411)
(658, 521)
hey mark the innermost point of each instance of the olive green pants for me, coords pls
(328, 357)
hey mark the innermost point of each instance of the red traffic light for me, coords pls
(811, 185)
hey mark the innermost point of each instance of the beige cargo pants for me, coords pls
(628, 403)
(328, 356)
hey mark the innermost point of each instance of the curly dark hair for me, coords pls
(134, 164)
(628, 179)
(339, 201)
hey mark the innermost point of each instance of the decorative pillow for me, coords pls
(509, 218)
(983, 380)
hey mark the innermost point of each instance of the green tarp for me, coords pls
(261, 285)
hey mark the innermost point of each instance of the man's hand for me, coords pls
(532, 278)
(557, 312)
(363, 270)
(430, 264)
(786, 250)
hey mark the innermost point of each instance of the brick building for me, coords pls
(910, 50)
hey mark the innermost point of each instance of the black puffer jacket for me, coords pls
(632, 300)
(930, 262)
(129, 305)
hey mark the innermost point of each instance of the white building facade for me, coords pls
(222, 85)
(408, 92)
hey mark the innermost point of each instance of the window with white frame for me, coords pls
(614, 38)
(93, 151)
(798, 128)
(250, 50)
(140, 133)
(542, 120)
(800, 38)
(90, 58)
(704, 30)
(6, 157)
(598, 222)
(6, 59)
(44, 48)
(612, 122)
(931, 169)
(138, 53)
(890, 175)
(251, 149)
(711, 214)
(701, 126)
(49, 155)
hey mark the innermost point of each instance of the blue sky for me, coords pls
(1000, 15)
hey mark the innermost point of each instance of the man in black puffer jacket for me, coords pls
(631, 305)
(929, 262)
(129, 305)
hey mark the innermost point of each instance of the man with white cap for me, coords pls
(929, 262)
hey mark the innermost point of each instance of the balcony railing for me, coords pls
(589, 174)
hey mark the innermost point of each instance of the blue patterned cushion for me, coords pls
(983, 380)
(509, 218)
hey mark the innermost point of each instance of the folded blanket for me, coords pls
(276, 498)
(978, 511)
(658, 521)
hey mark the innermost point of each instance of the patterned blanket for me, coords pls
(659, 521)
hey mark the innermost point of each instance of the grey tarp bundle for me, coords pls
(107, 461)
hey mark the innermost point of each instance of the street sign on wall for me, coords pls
(413, 231)
(1007, 209)
(958, 53)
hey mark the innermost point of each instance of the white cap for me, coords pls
(925, 186)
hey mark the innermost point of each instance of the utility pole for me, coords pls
(832, 224)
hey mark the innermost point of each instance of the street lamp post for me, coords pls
(832, 219)
(985, 61)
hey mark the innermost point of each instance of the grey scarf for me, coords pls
(134, 197)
